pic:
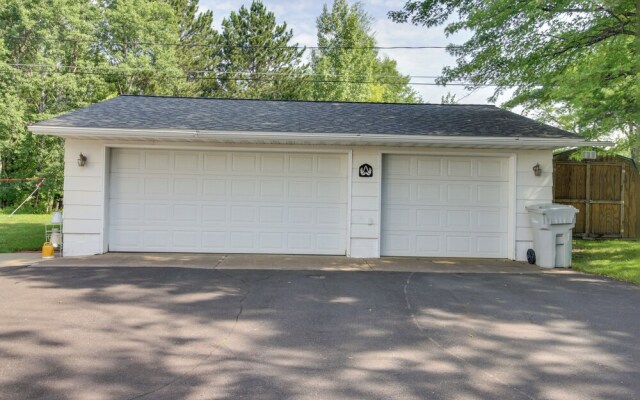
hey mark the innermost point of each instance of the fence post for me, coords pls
(622, 182)
(587, 203)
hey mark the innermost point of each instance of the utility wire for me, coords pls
(141, 43)
(206, 72)
(224, 78)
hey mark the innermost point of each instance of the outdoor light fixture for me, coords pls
(82, 160)
(537, 170)
(56, 218)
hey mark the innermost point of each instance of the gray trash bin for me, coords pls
(552, 226)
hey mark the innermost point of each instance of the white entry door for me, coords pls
(237, 202)
(436, 206)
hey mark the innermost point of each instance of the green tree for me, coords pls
(138, 37)
(60, 55)
(577, 62)
(44, 52)
(258, 50)
(347, 55)
(199, 44)
(395, 87)
(449, 98)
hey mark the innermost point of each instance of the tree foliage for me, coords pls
(60, 55)
(198, 53)
(133, 37)
(346, 54)
(258, 58)
(31, 94)
(576, 61)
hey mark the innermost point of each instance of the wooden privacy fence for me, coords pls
(605, 190)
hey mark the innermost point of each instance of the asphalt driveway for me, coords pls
(186, 333)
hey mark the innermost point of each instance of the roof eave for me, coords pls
(311, 138)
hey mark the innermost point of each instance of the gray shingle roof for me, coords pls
(151, 112)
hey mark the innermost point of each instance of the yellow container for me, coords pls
(47, 250)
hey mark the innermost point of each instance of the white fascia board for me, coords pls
(108, 132)
(315, 138)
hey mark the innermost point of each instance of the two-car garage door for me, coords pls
(215, 201)
(436, 206)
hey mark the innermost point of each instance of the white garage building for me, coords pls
(167, 174)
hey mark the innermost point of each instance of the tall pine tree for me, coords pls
(258, 58)
(199, 42)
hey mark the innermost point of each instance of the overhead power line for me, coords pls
(218, 46)
(223, 77)
(226, 79)
(206, 72)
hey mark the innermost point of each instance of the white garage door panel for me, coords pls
(228, 202)
(444, 206)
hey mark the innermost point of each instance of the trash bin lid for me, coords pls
(554, 213)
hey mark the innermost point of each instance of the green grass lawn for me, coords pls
(22, 232)
(617, 259)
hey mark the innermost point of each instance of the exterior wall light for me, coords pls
(56, 218)
(537, 170)
(82, 160)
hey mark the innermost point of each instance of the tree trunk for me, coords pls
(635, 152)
(634, 142)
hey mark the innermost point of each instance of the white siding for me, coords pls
(83, 198)
(365, 205)
(85, 191)
(531, 189)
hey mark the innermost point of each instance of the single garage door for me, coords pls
(444, 206)
(239, 202)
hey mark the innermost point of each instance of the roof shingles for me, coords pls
(234, 115)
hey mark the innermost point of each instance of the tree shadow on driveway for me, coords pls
(152, 333)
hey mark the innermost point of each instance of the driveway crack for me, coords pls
(244, 297)
(368, 265)
(220, 261)
(217, 346)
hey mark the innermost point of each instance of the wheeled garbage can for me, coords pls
(552, 226)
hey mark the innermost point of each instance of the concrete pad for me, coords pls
(451, 265)
(294, 262)
(186, 260)
(19, 259)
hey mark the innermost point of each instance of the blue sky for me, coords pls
(301, 15)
